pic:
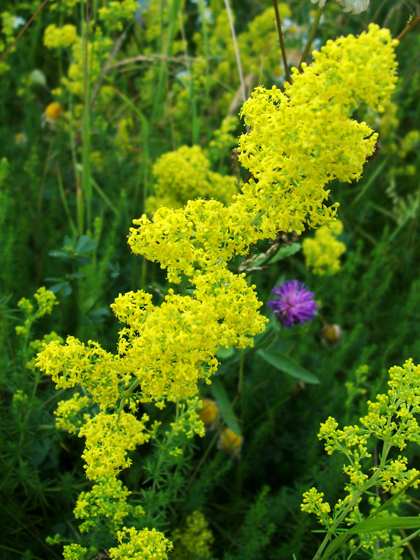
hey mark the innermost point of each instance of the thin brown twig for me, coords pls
(23, 31)
(409, 546)
(409, 27)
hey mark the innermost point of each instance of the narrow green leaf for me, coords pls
(284, 363)
(224, 404)
(371, 526)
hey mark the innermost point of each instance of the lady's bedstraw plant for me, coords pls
(299, 141)
(390, 420)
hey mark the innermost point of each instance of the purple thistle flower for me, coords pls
(294, 303)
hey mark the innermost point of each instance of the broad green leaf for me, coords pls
(224, 353)
(284, 363)
(224, 404)
(285, 252)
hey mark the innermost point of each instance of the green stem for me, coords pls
(241, 372)
(237, 53)
(398, 545)
(310, 38)
(126, 394)
(281, 40)
(255, 218)
(86, 178)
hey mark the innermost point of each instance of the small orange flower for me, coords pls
(53, 111)
(208, 412)
(231, 442)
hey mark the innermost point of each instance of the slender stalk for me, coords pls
(195, 125)
(398, 545)
(410, 26)
(237, 53)
(281, 40)
(64, 201)
(86, 178)
(41, 189)
(311, 37)
(241, 372)
(202, 10)
(23, 31)
(255, 218)
(126, 394)
(7, 339)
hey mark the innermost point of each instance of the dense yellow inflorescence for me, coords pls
(145, 544)
(323, 252)
(184, 175)
(195, 539)
(68, 413)
(299, 141)
(106, 503)
(108, 439)
(390, 419)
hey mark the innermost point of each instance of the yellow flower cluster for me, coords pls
(389, 419)
(74, 552)
(194, 541)
(168, 348)
(303, 139)
(145, 544)
(98, 51)
(323, 252)
(108, 439)
(60, 38)
(45, 303)
(171, 347)
(68, 415)
(185, 174)
(75, 363)
(189, 421)
(115, 13)
(105, 504)
(299, 141)
(313, 502)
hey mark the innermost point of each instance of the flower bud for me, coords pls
(331, 334)
(229, 441)
(53, 111)
(209, 412)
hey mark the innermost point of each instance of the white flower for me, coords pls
(321, 2)
(18, 21)
(354, 6)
